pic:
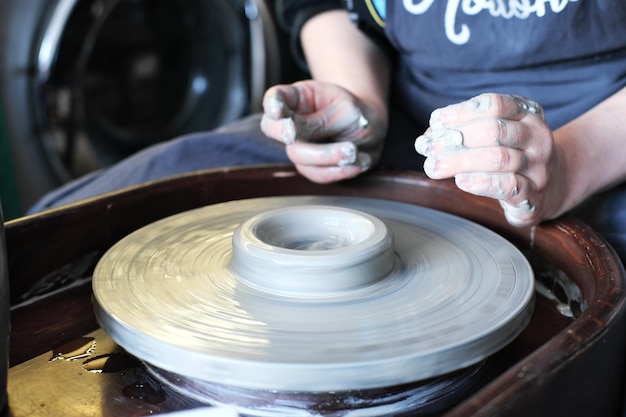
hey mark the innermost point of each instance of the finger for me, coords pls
(336, 173)
(282, 101)
(275, 103)
(283, 130)
(439, 141)
(296, 128)
(323, 155)
(514, 193)
(341, 117)
(508, 186)
(520, 215)
(290, 129)
(488, 160)
(486, 105)
(476, 134)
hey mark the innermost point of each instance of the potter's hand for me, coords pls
(330, 134)
(498, 146)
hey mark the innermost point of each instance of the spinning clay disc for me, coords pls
(313, 293)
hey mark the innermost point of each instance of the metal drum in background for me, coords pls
(85, 83)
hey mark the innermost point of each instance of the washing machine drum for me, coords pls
(87, 82)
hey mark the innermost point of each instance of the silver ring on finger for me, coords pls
(529, 106)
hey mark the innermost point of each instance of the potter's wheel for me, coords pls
(330, 294)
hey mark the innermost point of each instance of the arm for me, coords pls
(338, 53)
(333, 125)
(594, 150)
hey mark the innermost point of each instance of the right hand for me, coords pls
(329, 133)
(499, 146)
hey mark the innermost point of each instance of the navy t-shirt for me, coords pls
(568, 55)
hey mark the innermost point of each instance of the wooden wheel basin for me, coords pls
(567, 361)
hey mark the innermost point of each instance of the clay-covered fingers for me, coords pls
(504, 106)
(323, 155)
(496, 146)
(484, 132)
(310, 112)
(521, 214)
(505, 186)
(515, 193)
(329, 133)
(284, 100)
(344, 168)
(329, 162)
(283, 108)
(493, 159)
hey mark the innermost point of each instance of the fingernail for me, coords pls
(274, 107)
(520, 215)
(441, 140)
(467, 182)
(422, 144)
(479, 103)
(288, 132)
(430, 167)
(436, 119)
(481, 184)
(349, 153)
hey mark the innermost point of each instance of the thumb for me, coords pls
(282, 101)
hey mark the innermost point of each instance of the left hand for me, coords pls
(498, 146)
(329, 133)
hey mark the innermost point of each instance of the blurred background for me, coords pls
(84, 83)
